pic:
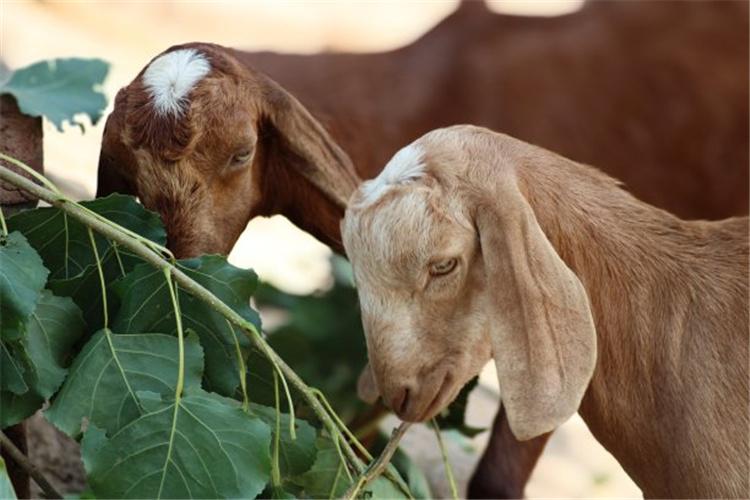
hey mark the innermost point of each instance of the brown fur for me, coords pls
(178, 166)
(660, 104)
(669, 394)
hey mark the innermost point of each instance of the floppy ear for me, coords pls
(543, 336)
(116, 161)
(367, 388)
(305, 145)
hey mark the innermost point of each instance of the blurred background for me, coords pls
(129, 34)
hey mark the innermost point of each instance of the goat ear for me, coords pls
(115, 160)
(543, 338)
(306, 146)
(367, 388)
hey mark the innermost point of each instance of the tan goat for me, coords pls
(472, 245)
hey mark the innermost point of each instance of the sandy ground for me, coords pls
(128, 34)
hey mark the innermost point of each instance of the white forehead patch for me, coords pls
(170, 78)
(406, 165)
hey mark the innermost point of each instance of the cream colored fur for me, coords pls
(587, 299)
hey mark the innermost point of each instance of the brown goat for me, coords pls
(653, 93)
(471, 245)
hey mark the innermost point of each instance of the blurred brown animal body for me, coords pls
(653, 93)
(539, 246)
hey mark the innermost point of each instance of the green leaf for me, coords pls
(205, 446)
(147, 306)
(454, 416)
(60, 89)
(51, 332)
(65, 247)
(412, 474)
(15, 408)
(328, 479)
(22, 277)
(321, 326)
(6, 488)
(295, 455)
(110, 369)
(12, 371)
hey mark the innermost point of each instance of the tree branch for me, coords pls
(378, 467)
(123, 237)
(31, 469)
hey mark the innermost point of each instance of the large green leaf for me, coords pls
(64, 243)
(65, 247)
(22, 277)
(60, 89)
(203, 447)
(6, 488)
(295, 455)
(51, 332)
(147, 306)
(110, 369)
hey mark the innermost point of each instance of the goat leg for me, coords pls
(506, 465)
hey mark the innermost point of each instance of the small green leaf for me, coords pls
(60, 89)
(295, 455)
(22, 277)
(51, 332)
(110, 369)
(15, 408)
(404, 465)
(203, 447)
(6, 487)
(327, 477)
(11, 371)
(454, 416)
(146, 306)
(321, 326)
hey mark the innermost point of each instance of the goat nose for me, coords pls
(400, 400)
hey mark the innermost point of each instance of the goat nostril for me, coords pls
(400, 401)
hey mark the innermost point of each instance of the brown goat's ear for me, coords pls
(116, 161)
(367, 388)
(306, 146)
(543, 337)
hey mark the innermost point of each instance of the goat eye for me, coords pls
(241, 157)
(443, 267)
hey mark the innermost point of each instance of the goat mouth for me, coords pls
(438, 400)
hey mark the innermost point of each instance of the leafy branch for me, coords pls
(158, 257)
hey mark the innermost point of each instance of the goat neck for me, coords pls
(669, 299)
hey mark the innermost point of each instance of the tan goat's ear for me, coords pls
(306, 146)
(115, 160)
(543, 336)
(367, 388)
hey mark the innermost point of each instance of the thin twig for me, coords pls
(31, 469)
(378, 466)
(446, 462)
